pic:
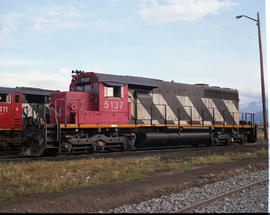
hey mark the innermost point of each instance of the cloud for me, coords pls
(18, 62)
(35, 78)
(4, 33)
(69, 15)
(7, 26)
(184, 10)
(43, 18)
(249, 95)
(55, 17)
(65, 71)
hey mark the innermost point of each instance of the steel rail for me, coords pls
(108, 154)
(80, 155)
(218, 197)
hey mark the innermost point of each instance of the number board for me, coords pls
(85, 80)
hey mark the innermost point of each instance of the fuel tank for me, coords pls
(173, 138)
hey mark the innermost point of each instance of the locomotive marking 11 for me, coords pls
(3, 109)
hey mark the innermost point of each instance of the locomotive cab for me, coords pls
(10, 119)
(10, 110)
(91, 101)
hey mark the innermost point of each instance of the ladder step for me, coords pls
(51, 131)
(51, 126)
(51, 139)
(51, 146)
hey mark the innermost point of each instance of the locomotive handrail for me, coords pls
(202, 116)
(55, 113)
(234, 117)
(44, 115)
(245, 116)
(165, 113)
(178, 117)
(55, 104)
(24, 114)
(78, 113)
(57, 127)
(132, 101)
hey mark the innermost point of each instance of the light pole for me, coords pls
(262, 74)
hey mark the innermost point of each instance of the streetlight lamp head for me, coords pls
(238, 17)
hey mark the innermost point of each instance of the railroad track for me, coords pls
(60, 157)
(113, 154)
(190, 208)
(106, 154)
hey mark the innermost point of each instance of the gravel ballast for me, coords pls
(254, 199)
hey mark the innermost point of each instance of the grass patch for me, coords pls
(43, 176)
(190, 161)
(55, 176)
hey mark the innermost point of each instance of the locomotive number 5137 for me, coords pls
(115, 105)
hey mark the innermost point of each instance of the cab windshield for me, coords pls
(82, 88)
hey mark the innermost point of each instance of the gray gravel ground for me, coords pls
(251, 200)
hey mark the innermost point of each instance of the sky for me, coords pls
(188, 41)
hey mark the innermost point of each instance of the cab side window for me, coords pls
(117, 92)
(112, 92)
(17, 98)
(4, 98)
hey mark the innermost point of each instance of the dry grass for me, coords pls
(188, 162)
(44, 176)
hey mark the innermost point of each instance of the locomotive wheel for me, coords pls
(124, 147)
(100, 145)
(131, 146)
(131, 142)
(94, 147)
(243, 139)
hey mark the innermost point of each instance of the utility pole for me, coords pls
(262, 73)
(262, 80)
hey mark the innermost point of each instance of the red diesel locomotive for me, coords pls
(106, 112)
(22, 110)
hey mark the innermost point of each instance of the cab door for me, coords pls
(5, 111)
(17, 110)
